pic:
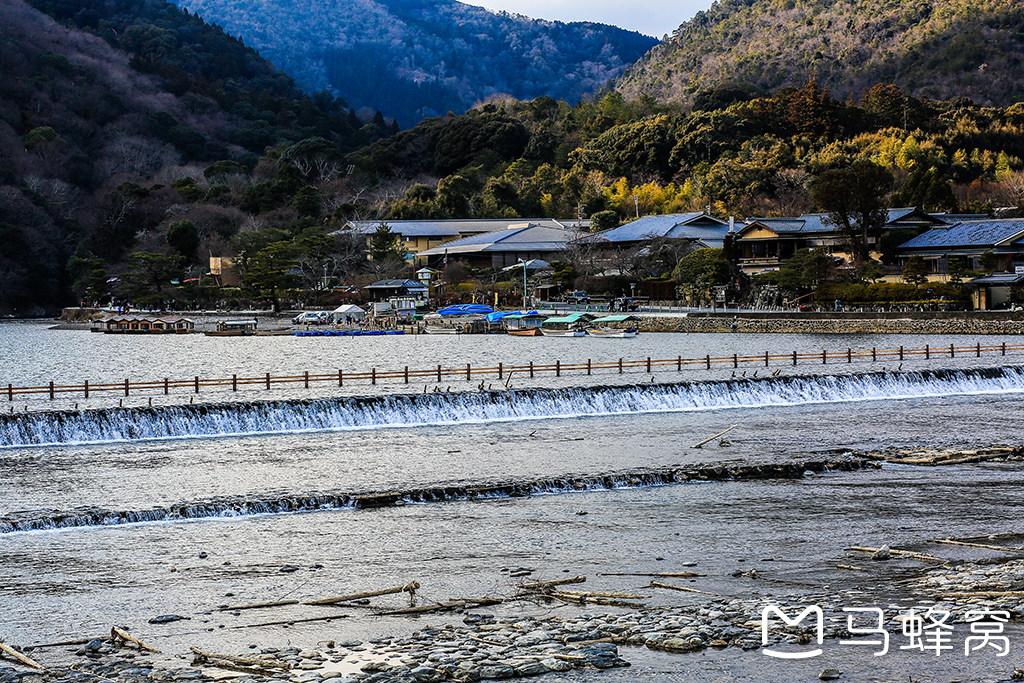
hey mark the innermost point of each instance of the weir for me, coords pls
(112, 425)
(38, 520)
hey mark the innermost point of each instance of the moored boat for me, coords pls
(602, 327)
(567, 325)
(233, 328)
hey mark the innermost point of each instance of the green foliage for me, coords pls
(604, 220)
(806, 270)
(854, 200)
(272, 270)
(385, 245)
(148, 278)
(888, 293)
(183, 237)
(702, 269)
(915, 271)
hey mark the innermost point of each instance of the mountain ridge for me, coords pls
(413, 59)
(934, 50)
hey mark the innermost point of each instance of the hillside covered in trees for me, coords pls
(413, 59)
(935, 49)
(101, 115)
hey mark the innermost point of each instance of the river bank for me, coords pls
(930, 323)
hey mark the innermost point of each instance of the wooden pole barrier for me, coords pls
(268, 381)
(794, 358)
(927, 352)
(620, 366)
(51, 389)
(679, 364)
(978, 348)
(648, 365)
(874, 357)
(373, 376)
(951, 354)
(531, 369)
(849, 356)
(85, 386)
(406, 374)
(588, 366)
(901, 352)
(558, 368)
(234, 382)
(197, 384)
(126, 387)
(735, 362)
(824, 357)
(438, 374)
(707, 360)
(341, 378)
(167, 387)
(500, 370)
(469, 372)
(766, 359)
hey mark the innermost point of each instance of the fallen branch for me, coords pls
(116, 633)
(260, 605)
(949, 541)
(409, 588)
(246, 661)
(661, 574)
(584, 599)
(65, 643)
(441, 606)
(292, 621)
(712, 438)
(917, 556)
(601, 594)
(680, 588)
(20, 657)
(541, 585)
(850, 567)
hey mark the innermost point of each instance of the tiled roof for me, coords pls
(693, 226)
(986, 233)
(530, 238)
(453, 227)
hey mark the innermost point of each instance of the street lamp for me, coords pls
(523, 285)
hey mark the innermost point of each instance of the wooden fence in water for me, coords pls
(502, 372)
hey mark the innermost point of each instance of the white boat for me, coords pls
(567, 326)
(563, 333)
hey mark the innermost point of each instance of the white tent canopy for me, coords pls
(350, 311)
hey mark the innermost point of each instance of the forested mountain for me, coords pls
(937, 49)
(418, 58)
(102, 118)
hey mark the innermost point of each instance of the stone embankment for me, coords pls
(1009, 323)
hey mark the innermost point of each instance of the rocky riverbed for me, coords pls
(483, 647)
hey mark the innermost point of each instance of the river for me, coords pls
(120, 511)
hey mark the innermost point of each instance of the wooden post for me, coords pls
(167, 388)
(648, 365)
(766, 359)
(558, 368)
(126, 387)
(978, 350)
(341, 378)
(901, 353)
(588, 366)
(501, 369)
(51, 389)
(951, 352)
(1004, 348)
(620, 366)
(849, 356)
(406, 374)
(234, 382)
(735, 361)
(927, 352)
(373, 375)
(85, 386)
(824, 357)
(679, 364)
(469, 372)
(306, 376)
(268, 381)
(438, 374)
(531, 369)
(874, 356)
(794, 358)
(707, 361)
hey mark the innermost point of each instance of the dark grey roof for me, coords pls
(1005, 279)
(692, 226)
(988, 233)
(453, 227)
(396, 284)
(526, 238)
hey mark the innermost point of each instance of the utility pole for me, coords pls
(636, 204)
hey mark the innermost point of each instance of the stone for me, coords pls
(496, 672)
(830, 674)
(882, 553)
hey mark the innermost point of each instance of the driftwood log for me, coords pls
(292, 621)
(907, 553)
(441, 606)
(408, 588)
(259, 605)
(949, 541)
(541, 585)
(657, 584)
(117, 634)
(7, 649)
(664, 575)
(712, 438)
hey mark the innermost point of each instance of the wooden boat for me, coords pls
(602, 327)
(233, 328)
(611, 332)
(574, 332)
(523, 324)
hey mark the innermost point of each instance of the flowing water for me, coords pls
(118, 510)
